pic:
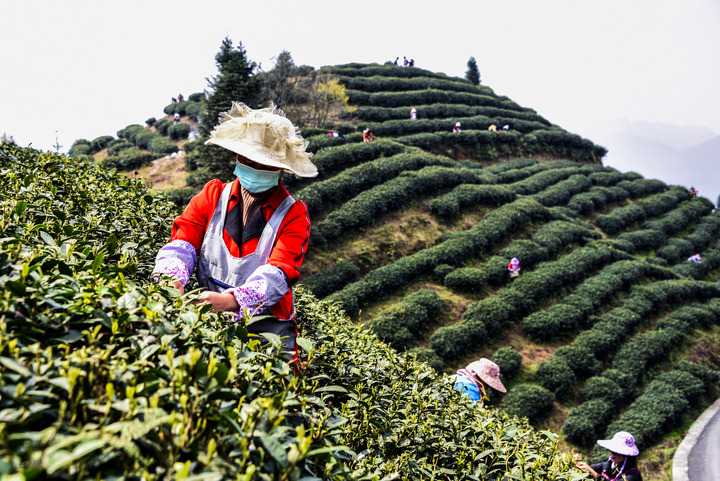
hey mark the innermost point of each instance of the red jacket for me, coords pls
(290, 244)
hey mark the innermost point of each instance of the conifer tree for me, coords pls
(235, 82)
(473, 74)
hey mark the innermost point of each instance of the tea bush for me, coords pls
(401, 324)
(508, 360)
(179, 131)
(332, 279)
(528, 400)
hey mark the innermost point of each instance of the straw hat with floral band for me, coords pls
(485, 370)
(264, 136)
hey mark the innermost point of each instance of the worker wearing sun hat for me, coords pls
(622, 463)
(474, 379)
(247, 237)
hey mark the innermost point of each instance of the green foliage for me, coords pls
(115, 376)
(472, 73)
(508, 360)
(556, 376)
(528, 400)
(179, 131)
(332, 279)
(401, 325)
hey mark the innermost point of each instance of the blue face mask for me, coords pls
(256, 180)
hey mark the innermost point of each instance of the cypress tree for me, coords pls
(473, 74)
(235, 82)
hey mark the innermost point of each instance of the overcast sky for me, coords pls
(90, 68)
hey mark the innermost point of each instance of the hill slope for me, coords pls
(413, 233)
(105, 374)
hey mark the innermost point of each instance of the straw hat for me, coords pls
(488, 372)
(621, 443)
(264, 136)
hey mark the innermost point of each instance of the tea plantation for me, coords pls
(105, 374)
(611, 326)
(608, 327)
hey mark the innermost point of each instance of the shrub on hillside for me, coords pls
(163, 125)
(586, 423)
(600, 387)
(401, 324)
(161, 146)
(528, 400)
(79, 147)
(554, 375)
(441, 272)
(179, 131)
(332, 279)
(508, 360)
(101, 142)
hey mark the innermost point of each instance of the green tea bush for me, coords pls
(421, 97)
(706, 375)
(555, 376)
(163, 125)
(179, 131)
(660, 407)
(586, 423)
(441, 272)
(332, 279)
(508, 360)
(599, 387)
(446, 111)
(118, 145)
(101, 142)
(402, 323)
(528, 400)
(354, 180)
(161, 146)
(79, 147)
(368, 205)
(448, 206)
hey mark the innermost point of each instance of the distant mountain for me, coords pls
(677, 155)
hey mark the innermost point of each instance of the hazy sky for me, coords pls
(90, 68)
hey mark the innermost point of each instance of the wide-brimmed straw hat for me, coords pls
(621, 443)
(264, 136)
(488, 372)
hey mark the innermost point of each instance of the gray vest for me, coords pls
(217, 268)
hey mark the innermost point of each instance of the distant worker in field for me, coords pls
(622, 463)
(367, 135)
(248, 237)
(456, 129)
(514, 267)
(176, 118)
(412, 62)
(506, 127)
(493, 128)
(696, 259)
(336, 134)
(476, 377)
(180, 97)
(396, 61)
(693, 191)
(413, 114)
(405, 61)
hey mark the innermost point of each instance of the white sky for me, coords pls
(90, 68)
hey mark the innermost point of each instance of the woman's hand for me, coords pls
(219, 302)
(586, 467)
(178, 285)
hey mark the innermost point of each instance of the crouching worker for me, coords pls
(622, 462)
(248, 237)
(476, 377)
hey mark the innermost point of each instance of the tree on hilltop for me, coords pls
(473, 74)
(235, 82)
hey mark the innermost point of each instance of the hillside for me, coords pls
(413, 233)
(607, 327)
(106, 374)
